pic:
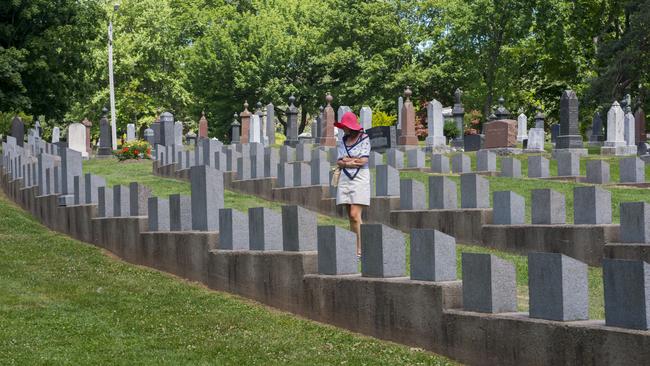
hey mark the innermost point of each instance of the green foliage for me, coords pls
(380, 118)
(134, 150)
(450, 130)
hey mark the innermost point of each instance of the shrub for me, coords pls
(134, 150)
(380, 118)
(450, 130)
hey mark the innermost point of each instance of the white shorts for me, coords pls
(356, 191)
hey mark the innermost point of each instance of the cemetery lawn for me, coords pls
(66, 302)
(124, 173)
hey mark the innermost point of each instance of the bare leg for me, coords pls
(354, 213)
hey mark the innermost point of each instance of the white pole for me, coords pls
(110, 82)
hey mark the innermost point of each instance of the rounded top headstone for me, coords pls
(408, 93)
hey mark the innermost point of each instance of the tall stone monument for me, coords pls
(615, 143)
(639, 118)
(270, 124)
(435, 125)
(502, 113)
(522, 128)
(88, 126)
(292, 123)
(459, 116)
(235, 130)
(245, 118)
(56, 134)
(203, 127)
(629, 124)
(327, 137)
(105, 136)
(407, 136)
(18, 131)
(569, 137)
(596, 137)
(166, 129)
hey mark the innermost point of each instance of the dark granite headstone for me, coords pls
(501, 133)
(105, 136)
(292, 123)
(569, 137)
(643, 148)
(597, 128)
(166, 129)
(156, 133)
(382, 138)
(639, 118)
(555, 132)
(473, 142)
(18, 130)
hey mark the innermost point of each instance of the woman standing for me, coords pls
(354, 182)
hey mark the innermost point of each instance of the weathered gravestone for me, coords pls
(365, 117)
(203, 126)
(56, 134)
(105, 137)
(130, 132)
(435, 125)
(569, 137)
(77, 138)
(500, 133)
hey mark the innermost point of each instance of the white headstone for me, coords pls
(629, 127)
(615, 122)
(77, 138)
(130, 132)
(522, 127)
(254, 130)
(435, 122)
(342, 110)
(178, 133)
(56, 134)
(536, 139)
(366, 118)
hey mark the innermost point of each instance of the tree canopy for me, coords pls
(189, 56)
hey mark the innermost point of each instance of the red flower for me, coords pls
(126, 149)
(136, 152)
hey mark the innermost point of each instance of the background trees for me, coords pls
(189, 56)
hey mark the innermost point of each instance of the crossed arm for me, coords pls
(348, 162)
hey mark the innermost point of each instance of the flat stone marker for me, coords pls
(486, 161)
(383, 251)
(489, 284)
(632, 170)
(121, 204)
(412, 195)
(509, 209)
(433, 256)
(592, 206)
(548, 207)
(443, 194)
(597, 172)
(265, 229)
(388, 182)
(395, 158)
(158, 213)
(180, 213)
(558, 287)
(635, 222)
(233, 230)
(461, 163)
(627, 293)
(511, 167)
(298, 229)
(336, 251)
(439, 164)
(415, 158)
(474, 191)
(538, 167)
(568, 165)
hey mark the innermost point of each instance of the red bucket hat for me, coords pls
(350, 121)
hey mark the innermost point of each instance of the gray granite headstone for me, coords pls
(511, 167)
(243, 168)
(597, 172)
(461, 163)
(568, 164)
(138, 199)
(285, 175)
(433, 256)
(121, 204)
(489, 284)
(233, 230)
(592, 206)
(79, 190)
(104, 202)
(92, 184)
(569, 137)
(387, 181)
(287, 154)
(538, 167)
(375, 159)
(442, 193)
(635, 222)
(627, 293)
(301, 175)
(547, 207)
(158, 214)
(180, 213)
(395, 158)
(271, 160)
(320, 170)
(336, 251)
(632, 170)
(558, 287)
(298, 229)
(383, 251)
(509, 208)
(439, 164)
(474, 191)
(207, 197)
(412, 195)
(486, 161)
(265, 229)
(415, 158)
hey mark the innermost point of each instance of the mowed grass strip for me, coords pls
(66, 302)
(142, 172)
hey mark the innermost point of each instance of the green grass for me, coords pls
(142, 172)
(65, 302)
